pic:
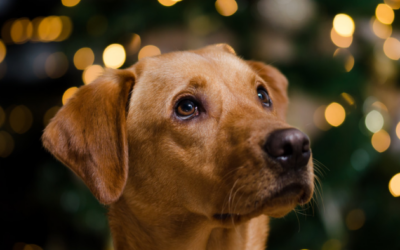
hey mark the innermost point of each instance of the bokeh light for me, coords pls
(394, 185)
(134, 44)
(2, 116)
(355, 219)
(6, 144)
(394, 4)
(167, 3)
(374, 121)
(340, 41)
(380, 141)
(70, 3)
(35, 32)
(343, 25)
(384, 13)
(56, 65)
(391, 48)
(3, 51)
(348, 98)
(379, 106)
(21, 119)
(335, 114)
(91, 73)
(319, 119)
(66, 29)
(226, 7)
(21, 30)
(50, 28)
(6, 31)
(381, 30)
(50, 114)
(148, 51)
(68, 94)
(398, 130)
(349, 63)
(360, 159)
(83, 58)
(114, 56)
(332, 244)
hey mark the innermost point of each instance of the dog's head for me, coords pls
(200, 131)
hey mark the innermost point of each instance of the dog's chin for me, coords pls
(277, 205)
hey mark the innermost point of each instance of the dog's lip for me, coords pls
(295, 193)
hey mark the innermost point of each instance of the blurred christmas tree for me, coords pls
(341, 59)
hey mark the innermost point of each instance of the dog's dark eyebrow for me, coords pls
(197, 82)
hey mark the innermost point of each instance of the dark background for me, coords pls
(44, 206)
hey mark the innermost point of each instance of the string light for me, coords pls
(391, 48)
(70, 3)
(335, 114)
(83, 58)
(149, 50)
(343, 25)
(384, 13)
(374, 121)
(114, 56)
(68, 94)
(91, 73)
(66, 29)
(21, 30)
(381, 30)
(394, 185)
(20, 119)
(226, 7)
(380, 141)
(340, 41)
(3, 51)
(50, 28)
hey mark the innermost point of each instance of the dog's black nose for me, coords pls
(290, 147)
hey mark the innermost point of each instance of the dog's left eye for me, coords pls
(264, 97)
(187, 109)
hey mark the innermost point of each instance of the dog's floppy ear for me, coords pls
(278, 85)
(88, 134)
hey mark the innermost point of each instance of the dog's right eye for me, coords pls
(187, 109)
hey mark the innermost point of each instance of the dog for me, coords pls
(190, 150)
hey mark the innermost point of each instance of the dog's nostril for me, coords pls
(290, 147)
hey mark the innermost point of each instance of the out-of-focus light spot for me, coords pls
(91, 73)
(50, 28)
(335, 114)
(344, 25)
(355, 219)
(83, 58)
(340, 41)
(374, 121)
(394, 4)
(70, 3)
(167, 3)
(66, 29)
(394, 185)
(21, 119)
(68, 94)
(56, 65)
(398, 130)
(6, 31)
(359, 159)
(3, 51)
(21, 30)
(349, 63)
(134, 44)
(50, 114)
(97, 25)
(114, 56)
(319, 119)
(226, 7)
(6, 144)
(348, 98)
(380, 106)
(381, 30)
(35, 24)
(148, 51)
(391, 48)
(384, 13)
(332, 244)
(380, 141)
(2, 116)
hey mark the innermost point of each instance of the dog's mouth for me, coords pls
(276, 205)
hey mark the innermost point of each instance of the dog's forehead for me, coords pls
(210, 66)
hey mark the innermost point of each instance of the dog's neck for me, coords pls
(132, 229)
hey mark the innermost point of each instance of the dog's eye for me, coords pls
(264, 97)
(187, 109)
